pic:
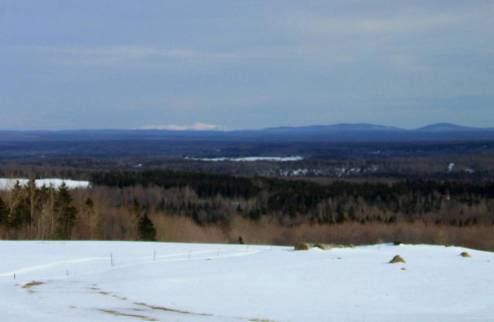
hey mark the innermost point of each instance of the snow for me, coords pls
(469, 170)
(9, 183)
(204, 282)
(249, 159)
(451, 167)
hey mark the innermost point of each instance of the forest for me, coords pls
(448, 202)
(185, 206)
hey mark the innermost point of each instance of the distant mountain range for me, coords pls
(336, 127)
(325, 141)
(366, 127)
(356, 132)
(449, 127)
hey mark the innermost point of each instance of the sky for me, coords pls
(223, 64)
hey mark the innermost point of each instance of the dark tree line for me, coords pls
(218, 197)
(205, 185)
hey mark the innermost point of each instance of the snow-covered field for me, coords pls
(9, 183)
(249, 159)
(131, 281)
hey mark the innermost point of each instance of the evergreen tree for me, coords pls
(20, 210)
(19, 213)
(4, 212)
(89, 205)
(146, 229)
(65, 213)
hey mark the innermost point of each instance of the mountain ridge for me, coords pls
(441, 126)
(342, 132)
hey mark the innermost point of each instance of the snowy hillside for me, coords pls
(129, 281)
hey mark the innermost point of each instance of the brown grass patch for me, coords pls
(268, 232)
(324, 246)
(302, 246)
(32, 284)
(184, 229)
(331, 246)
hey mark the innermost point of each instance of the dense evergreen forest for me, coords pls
(448, 202)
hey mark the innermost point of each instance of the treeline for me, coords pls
(166, 205)
(209, 198)
(204, 185)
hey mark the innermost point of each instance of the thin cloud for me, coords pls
(110, 56)
(406, 21)
(116, 55)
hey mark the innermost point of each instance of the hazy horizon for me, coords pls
(206, 127)
(244, 65)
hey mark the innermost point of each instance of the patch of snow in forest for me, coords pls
(451, 167)
(249, 159)
(9, 183)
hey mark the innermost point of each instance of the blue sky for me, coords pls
(70, 64)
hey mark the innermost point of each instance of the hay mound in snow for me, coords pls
(465, 254)
(397, 259)
(302, 246)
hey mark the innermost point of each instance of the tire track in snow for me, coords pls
(46, 266)
(187, 257)
(159, 259)
(41, 267)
